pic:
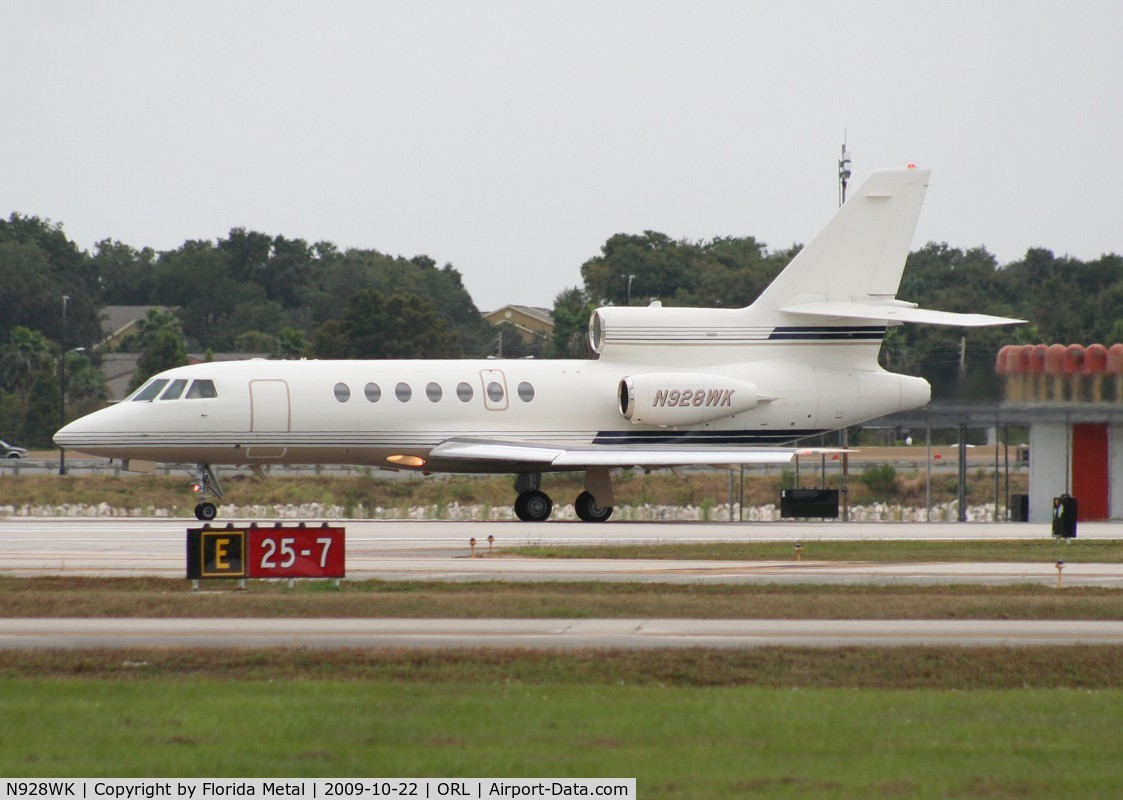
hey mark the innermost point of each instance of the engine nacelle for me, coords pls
(683, 398)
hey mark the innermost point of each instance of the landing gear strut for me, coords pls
(205, 485)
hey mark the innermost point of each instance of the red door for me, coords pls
(1089, 471)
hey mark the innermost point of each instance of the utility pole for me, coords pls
(62, 387)
(843, 437)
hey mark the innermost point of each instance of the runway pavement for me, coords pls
(406, 550)
(544, 633)
(439, 551)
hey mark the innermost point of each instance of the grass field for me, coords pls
(156, 597)
(554, 717)
(1045, 550)
(908, 722)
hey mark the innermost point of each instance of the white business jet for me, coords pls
(669, 386)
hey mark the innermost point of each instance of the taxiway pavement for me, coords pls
(545, 633)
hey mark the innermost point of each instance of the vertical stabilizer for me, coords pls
(861, 252)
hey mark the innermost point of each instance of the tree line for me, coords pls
(262, 293)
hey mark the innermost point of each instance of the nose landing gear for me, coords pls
(206, 485)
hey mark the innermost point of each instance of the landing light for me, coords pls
(406, 461)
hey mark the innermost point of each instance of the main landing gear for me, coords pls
(534, 505)
(205, 485)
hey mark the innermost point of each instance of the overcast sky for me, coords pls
(511, 139)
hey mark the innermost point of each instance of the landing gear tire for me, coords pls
(206, 511)
(533, 506)
(588, 510)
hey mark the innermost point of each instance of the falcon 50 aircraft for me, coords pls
(669, 386)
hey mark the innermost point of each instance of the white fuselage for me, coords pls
(375, 412)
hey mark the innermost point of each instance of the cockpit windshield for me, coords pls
(174, 390)
(201, 388)
(149, 391)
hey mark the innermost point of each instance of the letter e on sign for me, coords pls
(216, 553)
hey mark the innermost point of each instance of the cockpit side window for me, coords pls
(149, 392)
(174, 391)
(201, 388)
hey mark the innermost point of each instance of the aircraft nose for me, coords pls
(103, 432)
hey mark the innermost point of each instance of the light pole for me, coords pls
(62, 387)
(629, 279)
(843, 436)
(62, 403)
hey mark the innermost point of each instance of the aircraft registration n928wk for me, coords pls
(669, 386)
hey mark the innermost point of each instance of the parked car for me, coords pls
(11, 451)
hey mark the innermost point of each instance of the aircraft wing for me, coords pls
(615, 455)
(896, 311)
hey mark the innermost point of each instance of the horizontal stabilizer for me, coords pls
(618, 456)
(896, 311)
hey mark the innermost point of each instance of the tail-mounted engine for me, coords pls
(680, 398)
(687, 336)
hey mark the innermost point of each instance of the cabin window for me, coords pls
(342, 392)
(464, 391)
(150, 391)
(495, 392)
(373, 392)
(174, 391)
(526, 392)
(403, 392)
(434, 392)
(202, 389)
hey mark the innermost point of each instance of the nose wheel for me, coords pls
(205, 485)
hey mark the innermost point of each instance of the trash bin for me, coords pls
(800, 503)
(1019, 508)
(1064, 516)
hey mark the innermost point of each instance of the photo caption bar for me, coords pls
(315, 789)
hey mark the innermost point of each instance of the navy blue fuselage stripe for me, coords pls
(834, 332)
(704, 437)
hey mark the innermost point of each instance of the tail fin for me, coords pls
(861, 252)
(852, 268)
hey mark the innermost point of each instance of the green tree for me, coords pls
(126, 276)
(148, 329)
(38, 265)
(86, 389)
(724, 271)
(164, 351)
(26, 353)
(571, 313)
(510, 342)
(377, 325)
(41, 416)
(291, 343)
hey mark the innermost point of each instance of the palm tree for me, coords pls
(26, 352)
